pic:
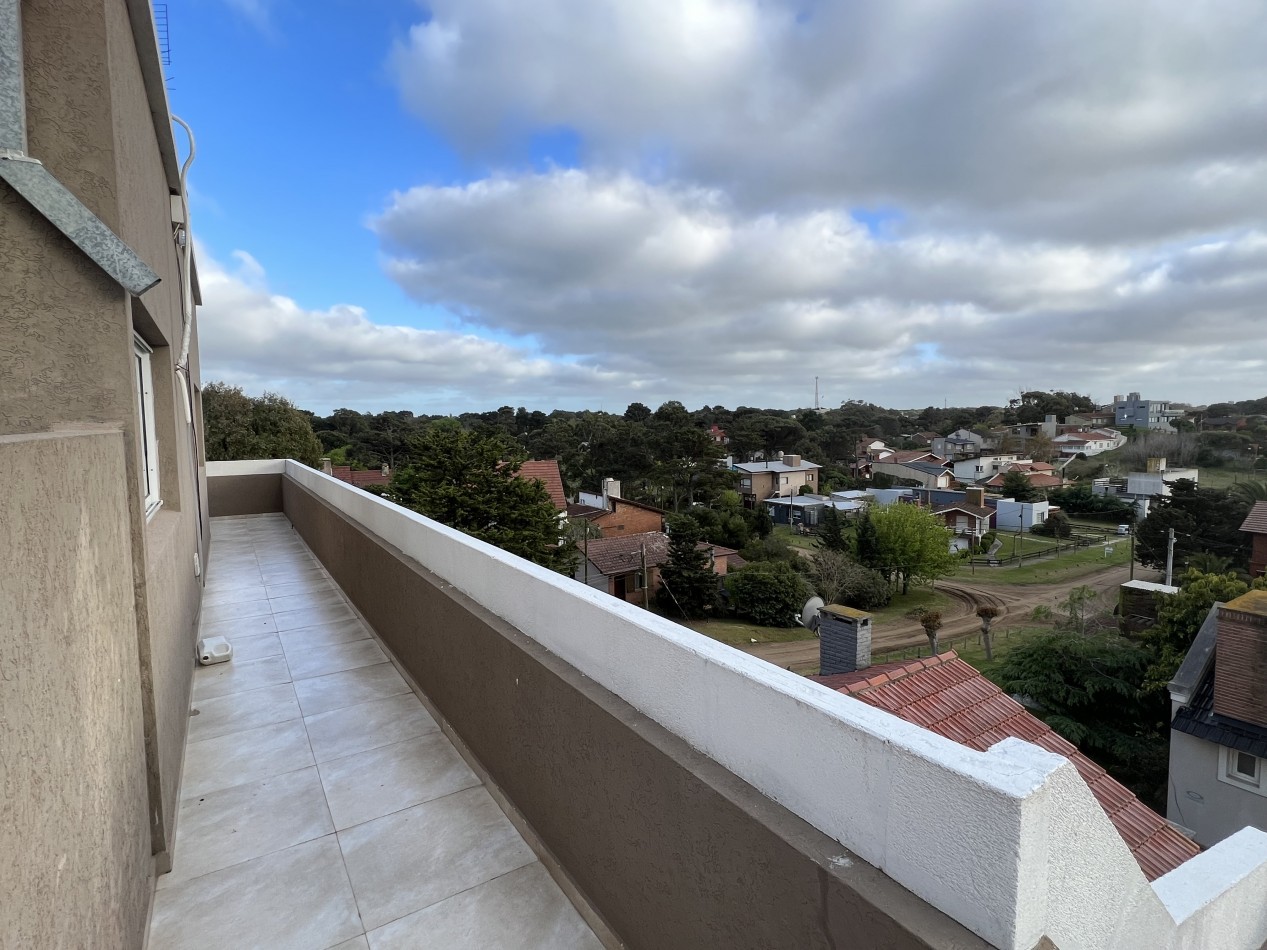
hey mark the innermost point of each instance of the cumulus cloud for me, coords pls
(338, 356)
(1097, 122)
(686, 292)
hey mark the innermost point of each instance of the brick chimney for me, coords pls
(1240, 665)
(844, 639)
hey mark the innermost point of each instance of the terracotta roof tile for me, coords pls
(1256, 523)
(948, 696)
(547, 473)
(623, 553)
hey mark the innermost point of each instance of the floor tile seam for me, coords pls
(419, 910)
(232, 732)
(259, 778)
(425, 801)
(349, 669)
(370, 667)
(254, 857)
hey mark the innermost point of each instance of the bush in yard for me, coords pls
(866, 589)
(769, 593)
(1056, 526)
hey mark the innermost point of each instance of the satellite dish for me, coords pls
(809, 613)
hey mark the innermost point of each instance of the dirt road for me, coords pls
(1015, 602)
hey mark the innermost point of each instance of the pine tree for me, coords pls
(469, 481)
(831, 532)
(688, 584)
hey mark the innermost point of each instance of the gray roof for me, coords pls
(928, 468)
(755, 468)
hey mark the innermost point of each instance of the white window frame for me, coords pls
(143, 381)
(1230, 773)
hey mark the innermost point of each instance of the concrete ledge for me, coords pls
(672, 850)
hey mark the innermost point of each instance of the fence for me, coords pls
(1075, 542)
(954, 643)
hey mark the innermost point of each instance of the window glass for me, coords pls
(148, 442)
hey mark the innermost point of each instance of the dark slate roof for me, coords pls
(928, 468)
(1199, 719)
(949, 697)
(623, 554)
(1256, 523)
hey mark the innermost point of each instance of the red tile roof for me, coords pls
(949, 697)
(915, 455)
(1256, 523)
(360, 479)
(547, 473)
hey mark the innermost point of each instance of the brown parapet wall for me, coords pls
(671, 849)
(244, 494)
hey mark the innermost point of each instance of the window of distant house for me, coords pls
(1241, 768)
(144, 382)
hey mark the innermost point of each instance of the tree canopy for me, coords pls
(688, 585)
(238, 426)
(468, 481)
(1204, 520)
(913, 544)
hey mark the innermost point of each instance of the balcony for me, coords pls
(474, 742)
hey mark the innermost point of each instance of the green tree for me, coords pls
(914, 544)
(688, 583)
(866, 541)
(1179, 619)
(237, 426)
(1017, 486)
(832, 535)
(769, 593)
(1203, 519)
(468, 481)
(1089, 689)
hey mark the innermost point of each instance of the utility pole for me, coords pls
(1132, 552)
(646, 581)
(1170, 558)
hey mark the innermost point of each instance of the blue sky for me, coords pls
(584, 202)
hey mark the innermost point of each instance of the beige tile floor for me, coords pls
(322, 808)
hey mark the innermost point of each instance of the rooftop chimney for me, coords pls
(611, 489)
(844, 639)
(1240, 669)
(792, 461)
(327, 466)
(1156, 465)
(975, 496)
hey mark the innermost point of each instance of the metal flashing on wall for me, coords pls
(51, 198)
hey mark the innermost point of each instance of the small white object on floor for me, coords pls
(214, 650)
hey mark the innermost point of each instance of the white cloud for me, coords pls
(677, 287)
(322, 359)
(1082, 120)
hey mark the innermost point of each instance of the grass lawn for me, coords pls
(924, 598)
(1062, 567)
(806, 542)
(1227, 477)
(738, 633)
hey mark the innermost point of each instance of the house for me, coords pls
(1039, 474)
(613, 515)
(628, 567)
(546, 471)
(968, 518)
(1012, 515)
(718, 434)
(926, 469)
(924, 438)
(959, 444)
(1140, 413)
(373, 476)
(760, 480)
(1096, 418)
(1089, 441)
(798, 510)
(976, 468)
(104, 513)
(945, 695)
(1218, 733)
(1256, 524)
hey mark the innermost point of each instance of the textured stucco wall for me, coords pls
(673, 850)
(66, 331)
(1219, 810)
(244, 494)
(73, 827)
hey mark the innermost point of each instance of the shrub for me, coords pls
(768, 593)
(866, 589)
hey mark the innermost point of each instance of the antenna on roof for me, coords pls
(160, 27)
